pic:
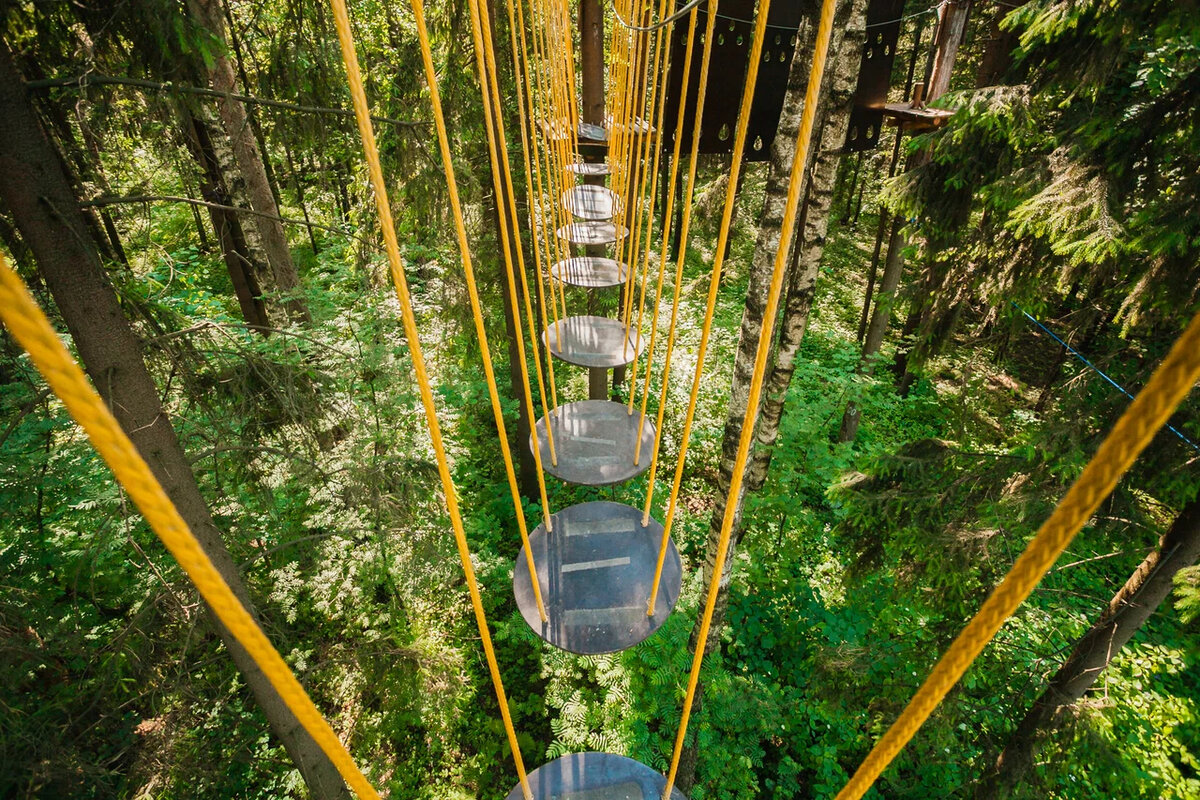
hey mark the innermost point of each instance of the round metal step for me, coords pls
(595, 571)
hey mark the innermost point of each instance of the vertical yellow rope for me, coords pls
(32, 330)
(685, 84)
(549, 211)
(521, 79)
(637, 86)
(371, 151)
(705, 328)
(506, 208)
(662, 68)
(803, 139)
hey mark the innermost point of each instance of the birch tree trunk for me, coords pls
(837, 89)
(35, 187)
(809, 245)
(1148, 586)
(237, 126)
(240, 247)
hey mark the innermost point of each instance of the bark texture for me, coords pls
(801, 279)
(236, 124)
(1144, 591)
(951, 30)
(35, 187)
(240, 248)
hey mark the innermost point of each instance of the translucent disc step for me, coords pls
(592, 168)
(590, 272)
(595, 776)
(585, 233)
(587, 341)
(591, 202)
(595, 441)
(595, 570)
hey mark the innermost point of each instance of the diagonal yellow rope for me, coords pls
(32, 330)
(371, 152)
(824, 33)
(1148, 412)
(493, 391)
(644, 217)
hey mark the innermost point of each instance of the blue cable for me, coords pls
(1095, 369)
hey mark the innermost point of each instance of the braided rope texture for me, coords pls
(1147, 413)
(32, 330)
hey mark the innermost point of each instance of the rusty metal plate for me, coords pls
(595, 442)
(588, 341)
(727, 76)
(595, 776)
(590, 272)
(874, 75)
(592, 202)
(595, 572)
(592, 233)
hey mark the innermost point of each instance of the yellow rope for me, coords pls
(635, 166)
(371, 152)
(662, 69)
(550, 213)
(824, 33)
(685, 224)
(507, 213)
(1148, 412)
(32, 330)
(521, 79)
(714, 283)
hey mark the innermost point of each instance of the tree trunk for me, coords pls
(250, 162)
(802, 274)
(243, 260)
(998, 52)
(591, 61)
(952, 29)
(881, 318)
(35, 187)
(1142, 594)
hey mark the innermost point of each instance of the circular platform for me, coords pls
(586, 233)
(591, 202)
(587, 341)
(594, 441)
(588, 168)
(595, 776)
(637, 126)
(594, 133)
(590, 272)
(596, 569)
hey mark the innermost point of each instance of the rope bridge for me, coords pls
(592, 442)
